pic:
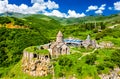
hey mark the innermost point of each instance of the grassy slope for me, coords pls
(17, 73)
(86, 71)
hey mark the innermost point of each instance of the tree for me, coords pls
(102, 25)
(90, 59)
(115, 57)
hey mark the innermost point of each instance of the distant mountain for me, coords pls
(68, 21)
(97, 18)
(12, 14)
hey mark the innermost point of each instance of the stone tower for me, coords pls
(59, 38)
(88, 37)
(59, 47)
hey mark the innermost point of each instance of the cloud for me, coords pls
(51, 5)
(37, 1)
(3, 3)
(102, 7)
(110, 8)
(117, 5)
(38, 6)
(99, 12)
(90, 8)
(55, 13)
(71, 13)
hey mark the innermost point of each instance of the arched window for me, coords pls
(66, 50)
(34, 55)
(46, 57)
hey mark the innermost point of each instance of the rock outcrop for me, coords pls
(114, 74)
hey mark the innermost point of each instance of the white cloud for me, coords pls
(110, 8)
(51, 5)
(102, 7)
(55, 13)
(23, 6)
(117, 5)
(72, 13)
(37, 1)
(38, 6)
(3, 5)
(99, 12)
(24, 9)
(92, 8)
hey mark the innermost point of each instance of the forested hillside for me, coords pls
(14, 40)
(88, 19)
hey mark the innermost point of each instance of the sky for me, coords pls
(61, 8)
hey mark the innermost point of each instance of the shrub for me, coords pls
(115, 57)
(90, 59)
(65, 61)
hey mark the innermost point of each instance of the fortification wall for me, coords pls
(36, 64)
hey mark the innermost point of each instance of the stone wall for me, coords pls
(106, 44)
(36, 65)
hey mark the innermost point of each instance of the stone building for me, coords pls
(88, 42)
(36, 59)
(106, 44)
(59, 47)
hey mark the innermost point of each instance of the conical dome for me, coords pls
(59, 34)
(88, 37)
(59, 38)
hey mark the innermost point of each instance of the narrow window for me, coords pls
(46, 57)
(34, 55)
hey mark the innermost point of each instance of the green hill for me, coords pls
(14, 40)
(66, 21)
(38, 29)
(88, 19)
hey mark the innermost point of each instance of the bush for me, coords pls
(65, 61)
(115, 57)
(4, 20)
(100, 67)
(90, 59)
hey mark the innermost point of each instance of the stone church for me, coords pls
(88, 42)
(59, 47)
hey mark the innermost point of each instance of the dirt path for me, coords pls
(84, 54)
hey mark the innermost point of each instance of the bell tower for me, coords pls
(59, 38)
